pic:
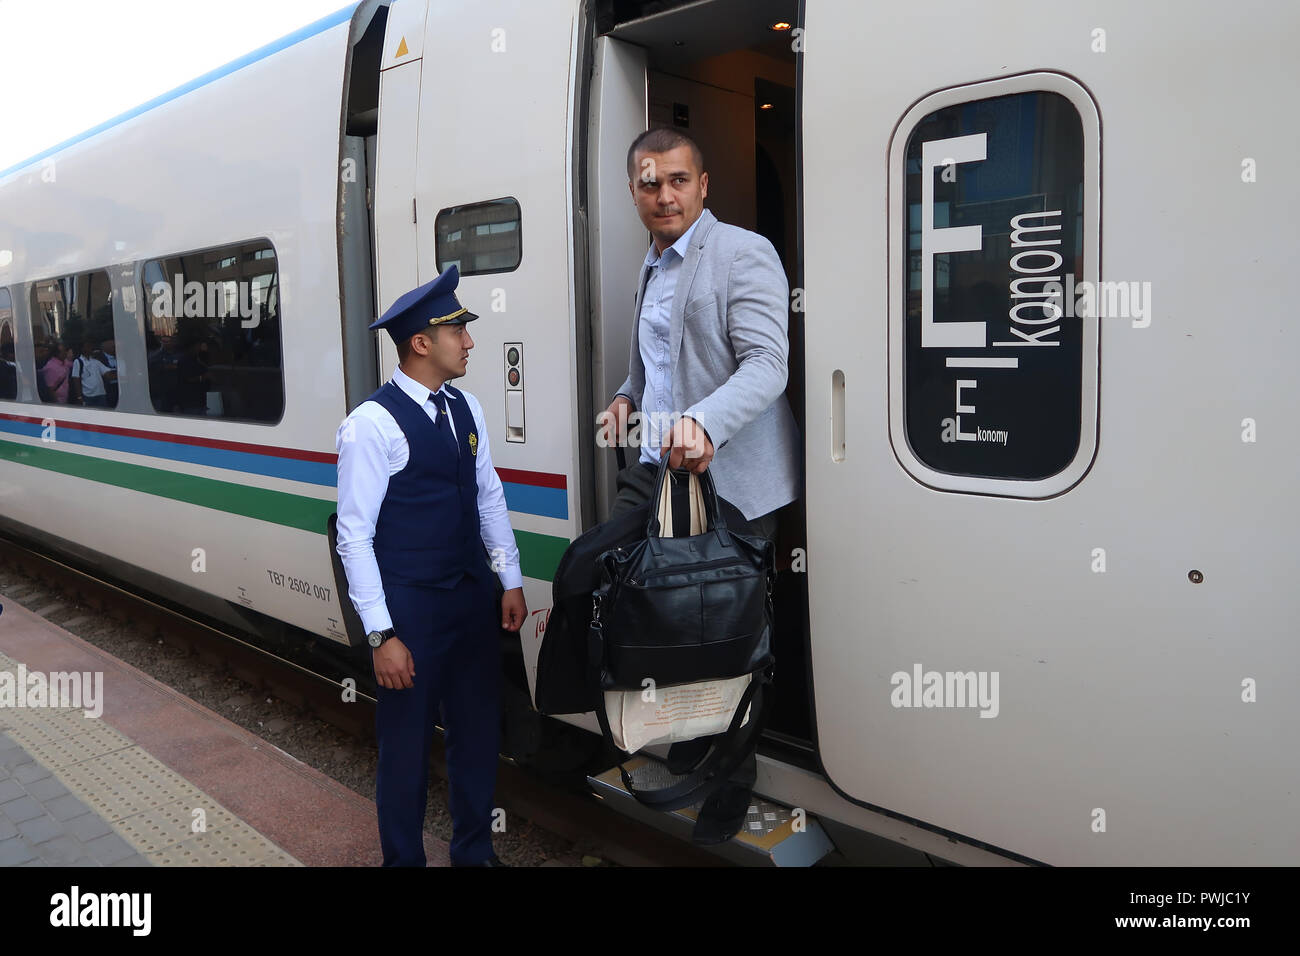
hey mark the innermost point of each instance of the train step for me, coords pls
(772, 835)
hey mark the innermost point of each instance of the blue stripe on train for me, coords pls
(311, 472)
(536, 500)
(525, 499)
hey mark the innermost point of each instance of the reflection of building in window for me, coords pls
(213, 333)
(479, 238)
(49, 309)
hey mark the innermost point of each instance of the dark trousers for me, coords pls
(635, 485)
(453, 638)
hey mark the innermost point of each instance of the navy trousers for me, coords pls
(453, 637)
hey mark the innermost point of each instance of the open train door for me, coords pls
(1038, 606)
(493, 195)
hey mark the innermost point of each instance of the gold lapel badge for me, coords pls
(473, 444)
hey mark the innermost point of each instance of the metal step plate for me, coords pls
(772, 835)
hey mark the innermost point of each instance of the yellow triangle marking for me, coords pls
(401, 48)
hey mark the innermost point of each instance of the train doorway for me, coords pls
(724, 72)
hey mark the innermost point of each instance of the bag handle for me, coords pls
(661, 517)
(698, 509)
(724, 757)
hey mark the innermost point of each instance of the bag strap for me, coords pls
(724, 757)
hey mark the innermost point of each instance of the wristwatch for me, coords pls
(375, 638)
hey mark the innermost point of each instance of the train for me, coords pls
(1037, 604)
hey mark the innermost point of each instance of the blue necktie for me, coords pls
(444, 426)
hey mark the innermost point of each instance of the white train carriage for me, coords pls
(1041, 566)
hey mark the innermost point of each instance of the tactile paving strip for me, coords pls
(154, 809)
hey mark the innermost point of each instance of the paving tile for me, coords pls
(16, 850)
(26, 773)
(39, 829)
(7, 827)
(136, 860)
(46, 789)
(66, 807)
(109, 848)
(13, 758)
(36, 862)
(62, 850)
(22, 809)
(87, 827)
(11, 790)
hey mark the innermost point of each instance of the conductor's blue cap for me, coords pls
(433, 303)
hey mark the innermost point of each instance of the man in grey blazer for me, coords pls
(707, 372)
(707, 369)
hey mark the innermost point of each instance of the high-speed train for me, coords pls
(1038, 603)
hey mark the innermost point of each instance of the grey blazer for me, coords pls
(729, 347)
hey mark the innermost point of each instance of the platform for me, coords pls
(156, 778)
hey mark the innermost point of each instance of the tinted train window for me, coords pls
(8, 361)
(72, 335)
(212, 332)
(480, 238)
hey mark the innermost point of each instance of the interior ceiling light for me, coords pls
(780, 25)
(766, 106)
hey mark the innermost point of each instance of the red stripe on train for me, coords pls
(540, 478)
(272, 450)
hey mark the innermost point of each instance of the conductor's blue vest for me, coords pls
(427, 534)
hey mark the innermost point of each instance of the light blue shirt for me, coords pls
(372, 448)
(656, 318)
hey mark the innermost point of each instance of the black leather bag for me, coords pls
(563, 684)
(685, 610)
(681, 610)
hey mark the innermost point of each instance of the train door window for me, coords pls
(212, 331)
(480, 238)
(72, 334)
(8, 358)
(994, 205)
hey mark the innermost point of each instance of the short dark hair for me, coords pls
(404, 348)
(660, 140)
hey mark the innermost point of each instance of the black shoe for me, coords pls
(490, 861)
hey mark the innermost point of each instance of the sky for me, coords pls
(68, 65)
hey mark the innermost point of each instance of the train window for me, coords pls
(212, 330)
(8, 359)
(72, 336)
(479, 238)
(996, 372)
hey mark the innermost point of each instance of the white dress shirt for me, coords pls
(372, 447)
(656, 320)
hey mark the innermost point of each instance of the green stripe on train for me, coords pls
(539, 554)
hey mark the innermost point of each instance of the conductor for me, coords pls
(419, 501)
